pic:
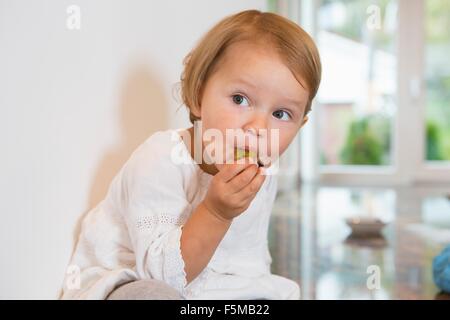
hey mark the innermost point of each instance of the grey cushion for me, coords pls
(148, 289)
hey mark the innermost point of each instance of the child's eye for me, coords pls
(238, 99)
(279, 115)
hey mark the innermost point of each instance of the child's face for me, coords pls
(253, 88)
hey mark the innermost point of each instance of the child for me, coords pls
(198, 229)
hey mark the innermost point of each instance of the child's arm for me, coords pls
(230, 193)
(201, 235)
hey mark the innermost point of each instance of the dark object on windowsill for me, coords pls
(373, 242)
(365, 227)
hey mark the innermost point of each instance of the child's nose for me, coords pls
(256, 126)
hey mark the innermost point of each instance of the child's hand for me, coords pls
(232, 189)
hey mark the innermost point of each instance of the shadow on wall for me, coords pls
(143, 110)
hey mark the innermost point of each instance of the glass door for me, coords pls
(382, 113)
(356, 104)
(436, 122)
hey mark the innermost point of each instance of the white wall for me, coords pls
(74, 104)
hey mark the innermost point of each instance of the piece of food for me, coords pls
(242, 153)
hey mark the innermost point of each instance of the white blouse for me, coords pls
(134, 233)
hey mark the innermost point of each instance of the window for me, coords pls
(356, 101)
(437, 77)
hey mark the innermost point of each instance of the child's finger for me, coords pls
(241, 180)
(253, 187)
(229, 171)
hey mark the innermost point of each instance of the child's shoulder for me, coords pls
(149, 173)
(161, 143)
(156, 154)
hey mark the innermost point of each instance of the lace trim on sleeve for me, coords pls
(165, 248)
(173, 266)
(148, 222)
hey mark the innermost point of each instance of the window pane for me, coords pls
(438, 80)
(356, 101)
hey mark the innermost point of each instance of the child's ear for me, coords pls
(305, 120)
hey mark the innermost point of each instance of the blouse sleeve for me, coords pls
(152, 200)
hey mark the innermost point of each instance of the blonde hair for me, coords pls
(292, 43)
